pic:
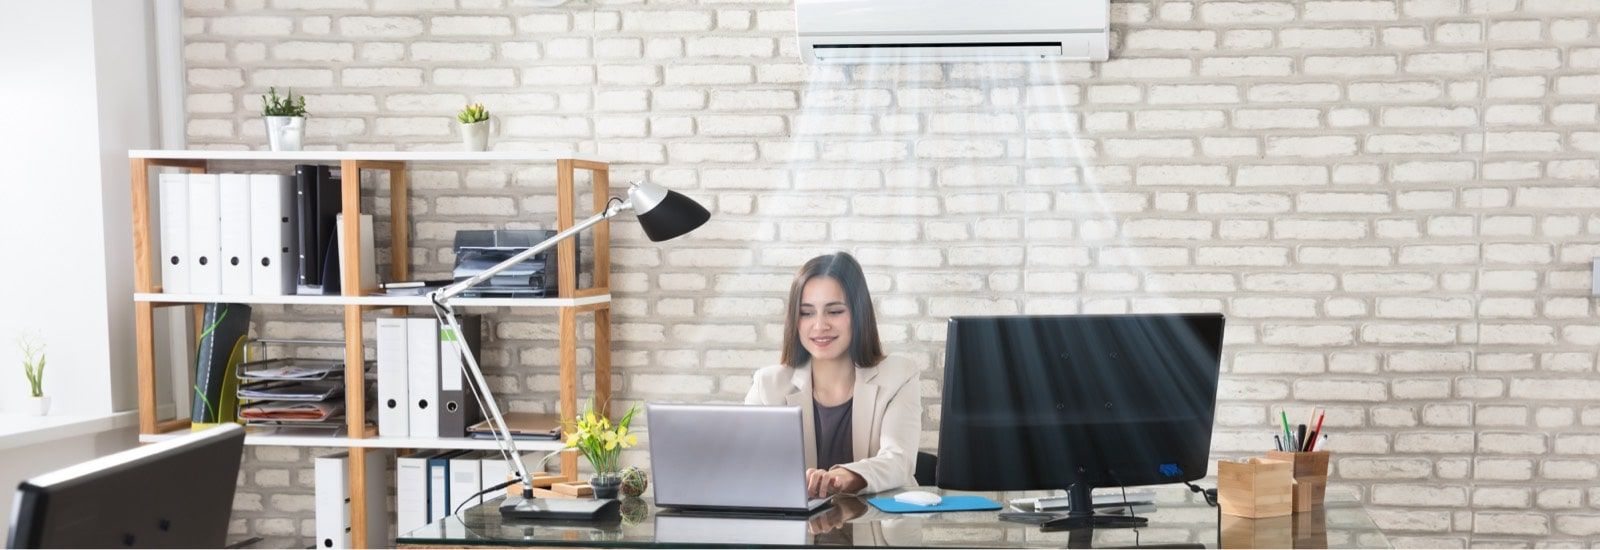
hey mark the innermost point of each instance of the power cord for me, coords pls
(1209, 494)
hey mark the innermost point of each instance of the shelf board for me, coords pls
(370, 301)
(334, 156)
(278, 440)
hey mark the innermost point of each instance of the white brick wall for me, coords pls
(1391, 199)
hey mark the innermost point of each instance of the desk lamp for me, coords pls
(663, 215)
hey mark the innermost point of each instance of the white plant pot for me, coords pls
(39, 405)
(284, 133)
(475, 136)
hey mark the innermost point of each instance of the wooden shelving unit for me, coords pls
(362, 297)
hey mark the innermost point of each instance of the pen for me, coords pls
(1277, 441)
(1321, 442)
(1300, 438)
(1318, 430)
(1287, 437)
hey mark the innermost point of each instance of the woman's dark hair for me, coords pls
(865, 349)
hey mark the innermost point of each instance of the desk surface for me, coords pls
(1181, 520)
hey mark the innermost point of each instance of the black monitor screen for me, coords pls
(1044, 402)
(173, 494)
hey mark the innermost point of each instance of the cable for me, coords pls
(507, 483)
(1209, 494)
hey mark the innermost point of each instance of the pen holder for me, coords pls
(1310, 477)
(1255, 488)
(1238, 532)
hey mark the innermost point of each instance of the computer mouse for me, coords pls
(918, 498)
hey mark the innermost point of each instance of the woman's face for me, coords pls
(824, 319)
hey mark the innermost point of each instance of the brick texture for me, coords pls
(1392, 200)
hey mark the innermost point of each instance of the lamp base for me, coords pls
(564, 509)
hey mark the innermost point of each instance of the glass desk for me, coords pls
(1181, 520)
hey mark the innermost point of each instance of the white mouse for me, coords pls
(918, 498)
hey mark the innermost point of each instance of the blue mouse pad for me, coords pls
(951, 503)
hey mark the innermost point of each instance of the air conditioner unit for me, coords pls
(854, 31)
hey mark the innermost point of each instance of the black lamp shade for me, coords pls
(673, 216)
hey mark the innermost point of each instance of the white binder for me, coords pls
(439, 484)
(497, 470)
(274, 251)
(174, 195)
(466, 479)
(422, 364)
(205, 234)
(393, 409)
(411, 491)
(333, 501)
(234, 190)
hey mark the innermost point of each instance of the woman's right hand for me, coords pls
(817, 483)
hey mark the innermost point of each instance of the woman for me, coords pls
(862, 411)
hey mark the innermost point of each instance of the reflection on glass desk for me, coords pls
(1181, 520)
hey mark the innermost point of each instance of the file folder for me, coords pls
(333, 501)
(422, 365)
(439, 485)
(205, 234)
(393, 412)
(466, 479)
(173, 190)
(234, 193)
(273, 250)
(457, 409)
(411, 491)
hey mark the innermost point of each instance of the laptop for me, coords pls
(729, 458)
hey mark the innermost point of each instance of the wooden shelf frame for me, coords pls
(361, 296)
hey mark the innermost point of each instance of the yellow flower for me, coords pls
(630, 441)
(589, 419)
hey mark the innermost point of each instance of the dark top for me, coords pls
(833, 434)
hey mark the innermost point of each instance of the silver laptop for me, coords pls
(729, 458)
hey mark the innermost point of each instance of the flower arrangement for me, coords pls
(33, 364)
(473, 113)
(599, 440)
(272, 105)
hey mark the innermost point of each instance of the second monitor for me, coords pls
(1077, 402)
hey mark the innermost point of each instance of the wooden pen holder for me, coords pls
(1255, 487)
(1310, 477)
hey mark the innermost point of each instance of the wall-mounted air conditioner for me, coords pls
(853, 31)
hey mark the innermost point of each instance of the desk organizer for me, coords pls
(1310, 477)
(1255, 488)
(1239, 532)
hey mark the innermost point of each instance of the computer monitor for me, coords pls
(1076, 402)
(173, 494)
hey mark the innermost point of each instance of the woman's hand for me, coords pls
(824, 483)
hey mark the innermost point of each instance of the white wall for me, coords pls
(77, 74)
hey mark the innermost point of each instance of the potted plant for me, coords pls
(602, 443)
(33, 367)
(474, 127)
(286, 119)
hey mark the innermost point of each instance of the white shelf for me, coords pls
(326, 156)
(278, 440)
(372, 301)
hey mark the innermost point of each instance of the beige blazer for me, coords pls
(886, 417)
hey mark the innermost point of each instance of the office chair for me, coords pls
(927, 469)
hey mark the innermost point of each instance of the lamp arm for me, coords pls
(446, 314)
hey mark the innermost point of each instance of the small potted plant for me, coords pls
(286, 119)
(474, 127)
(33, 367)
(602, 443)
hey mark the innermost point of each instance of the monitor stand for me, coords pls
(1081, 514)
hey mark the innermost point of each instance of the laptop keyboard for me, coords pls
(815, 503)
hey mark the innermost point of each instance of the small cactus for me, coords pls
(472, 113)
